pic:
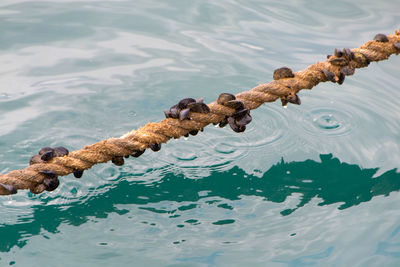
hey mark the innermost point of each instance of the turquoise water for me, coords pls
(310, 185)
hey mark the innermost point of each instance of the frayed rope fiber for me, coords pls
(190, 116)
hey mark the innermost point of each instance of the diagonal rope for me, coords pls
(45, 168)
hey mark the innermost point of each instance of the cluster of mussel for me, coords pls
(45, 154)
(237, 121)
(342, 58)
(240, 118)
(283, 73)
(51, 181)
(183, 109)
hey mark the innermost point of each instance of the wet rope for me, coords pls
(189, 116)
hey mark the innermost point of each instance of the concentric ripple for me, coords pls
(328, 122)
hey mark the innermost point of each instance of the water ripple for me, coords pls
(328, 122)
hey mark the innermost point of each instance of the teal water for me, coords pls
(310, 185)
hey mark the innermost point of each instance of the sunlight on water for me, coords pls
(315, 184)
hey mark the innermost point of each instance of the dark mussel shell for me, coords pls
(330, 76)
(347, 70)
(137, 153)
(341, 78)
(11, 189)
(174, 112)
(294, 99)
(244, 120)
(224, 98)
(45, 149)
(78, 173)
(155, 147)
(338, 53)
(199, 107)
(283, 73)
(223, 123)
(240, 113)
(167, 113)
(48, 155)
(194, 132)
(347, 52)
(118, 160)
(35, 159)
(51, 184)
(60, 151)
(184, 102)
(236, 104)
(234, 126)
(380, 37)
(184, 114)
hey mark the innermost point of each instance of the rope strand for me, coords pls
(42, 175)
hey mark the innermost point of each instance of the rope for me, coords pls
(189, 116)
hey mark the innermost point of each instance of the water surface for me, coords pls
(310, 185)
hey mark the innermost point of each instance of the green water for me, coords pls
(311, 185)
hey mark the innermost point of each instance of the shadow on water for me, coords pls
(330, 180)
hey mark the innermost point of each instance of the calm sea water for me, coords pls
(310, 185)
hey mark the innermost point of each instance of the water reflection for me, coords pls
(330, 180)
(391, 245)
(309, 260)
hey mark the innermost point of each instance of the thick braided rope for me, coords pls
(161, 132)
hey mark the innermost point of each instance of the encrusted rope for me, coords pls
(45, 168)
